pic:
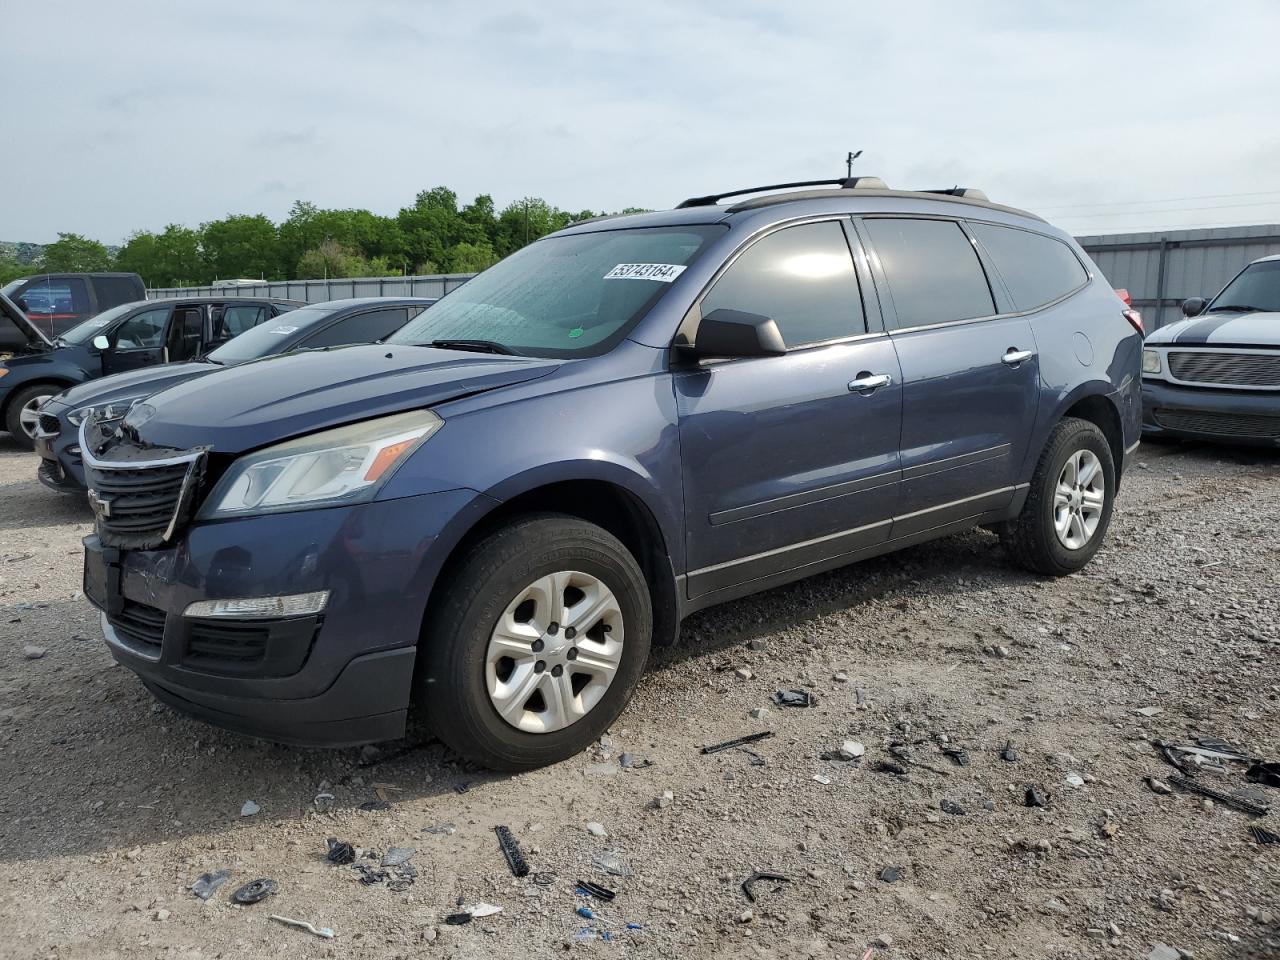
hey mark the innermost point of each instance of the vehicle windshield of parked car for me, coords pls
(1255, 289)
(84, 332)
(266, 338)
(569, 296)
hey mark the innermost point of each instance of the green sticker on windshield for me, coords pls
(576, 332)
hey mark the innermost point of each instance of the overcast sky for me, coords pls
(130, 115)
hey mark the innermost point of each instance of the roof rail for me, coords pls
(844, 183)
(971, 193)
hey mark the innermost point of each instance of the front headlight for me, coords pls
(343, 465)
(1150, 361)
(106, 411)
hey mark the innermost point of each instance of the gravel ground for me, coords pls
(111, 805)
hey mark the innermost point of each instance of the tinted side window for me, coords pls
(56, 297)
(362, 328)
(145, 329)
(933, 271)
(238, 317)
(113, 291)
(802, 277)
(1036, 269)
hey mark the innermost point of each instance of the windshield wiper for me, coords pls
(475, 346)
(1242, 308)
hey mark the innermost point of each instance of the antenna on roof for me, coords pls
(848, 162)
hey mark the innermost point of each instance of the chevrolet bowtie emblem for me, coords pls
(101, 505)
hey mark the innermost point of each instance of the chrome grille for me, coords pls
(1244, 426)
(1226, 367)
(137, 505)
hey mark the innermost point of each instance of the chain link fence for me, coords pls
(319, 291)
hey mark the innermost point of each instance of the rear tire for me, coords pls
(19, 417)
(1068, 507)
(505, 592)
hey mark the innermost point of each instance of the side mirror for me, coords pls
(736, 333)
(101, 343)
(1194, 306)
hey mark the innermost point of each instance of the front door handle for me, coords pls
(1013, 357)
(868, 382)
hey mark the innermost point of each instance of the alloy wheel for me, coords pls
(1078, 499)
(29, 415)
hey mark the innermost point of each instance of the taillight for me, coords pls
(1135, 320)
(1123, 294)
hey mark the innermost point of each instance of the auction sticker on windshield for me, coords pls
(283, 331)
(662, 272)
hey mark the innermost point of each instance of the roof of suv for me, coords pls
(706, 210)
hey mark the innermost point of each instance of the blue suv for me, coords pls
(494, 514)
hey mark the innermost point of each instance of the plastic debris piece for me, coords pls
(339, 852)
(1034, 798)
(634, 926)
(585, 913)
(585, 933)
(953, 808)
(458, 919)
(544, 879)
(323, 802)
(511, 850)
(207, 884)
(1009, 754)
(323, 932)
(255, 890)
(960, 756)
(890, 874)
(757, 877)
(824, 780)
(484, 910)
(1226, 799)
(1264, 836)
(587, 888)
(370, 875)
(370, 806)
(397, 856)
(795, 698)
(445, 829)
(611, 863)
(740, 741)
(1218, 745)
(250, 809)
(1267, 774)
(629, 761)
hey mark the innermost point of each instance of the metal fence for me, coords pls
(1159, 270)
(319, 291)
(1162, 269)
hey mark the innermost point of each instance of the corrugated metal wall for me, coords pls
(1162, 269)
(1159, 270)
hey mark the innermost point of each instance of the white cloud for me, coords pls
(122, 118)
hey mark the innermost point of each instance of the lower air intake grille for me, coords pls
(140, 625)
(1244, 426)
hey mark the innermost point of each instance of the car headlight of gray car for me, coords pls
(112, 410)
(344, 465)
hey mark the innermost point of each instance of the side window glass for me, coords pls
(362, 328)
(934, 273)
(59, 297)
(802, 277)
(237, 318)
(144, 329)
(1036, 269)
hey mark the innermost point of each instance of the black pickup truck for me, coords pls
(56, 302)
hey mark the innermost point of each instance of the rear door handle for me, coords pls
(1014, 357)
(869, 382)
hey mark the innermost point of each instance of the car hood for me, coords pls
(16, 330)
(1221, 328)
(254, 404)
(133, 383)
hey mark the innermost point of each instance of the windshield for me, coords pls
(1257, 286)
(84, 332)
(271, 337)
(568, 296)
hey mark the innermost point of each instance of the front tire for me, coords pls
(1068, 507)
(536, 643)
(21, 417)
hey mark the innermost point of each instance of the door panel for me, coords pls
(966, 415)
(784, 465)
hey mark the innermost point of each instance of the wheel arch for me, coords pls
(1097, 406)
(60, 383)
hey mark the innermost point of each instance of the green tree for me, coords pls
(11, 269)
(170, 258)
(241, 247)
(470, 257)
(331, 259)
(72, 253)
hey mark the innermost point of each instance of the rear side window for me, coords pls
(56, 297)
(1036, 269)
(802, 277)
(113, 291)
(362, 328)
(934, 273)
(238, 317)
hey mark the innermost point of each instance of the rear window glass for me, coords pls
(1036, 269)
(933, 271)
